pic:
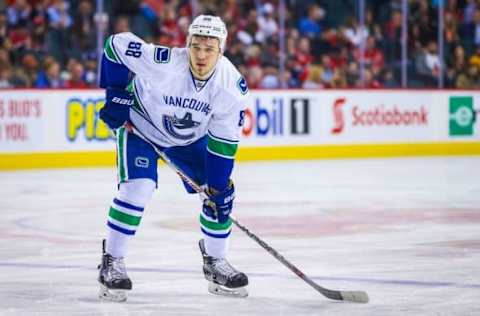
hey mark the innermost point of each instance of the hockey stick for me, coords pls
(352, 296)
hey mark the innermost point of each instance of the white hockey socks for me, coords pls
(126, 213)
(216, 247)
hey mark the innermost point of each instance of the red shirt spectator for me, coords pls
(76, 81)
(373, 55)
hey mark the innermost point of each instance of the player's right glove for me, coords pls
(117, 107)
(219, 204)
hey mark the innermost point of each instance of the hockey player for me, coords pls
(188, 103)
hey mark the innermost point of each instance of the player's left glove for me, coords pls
(219, 204)
(117, 107)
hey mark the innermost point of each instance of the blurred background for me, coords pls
(291, 44)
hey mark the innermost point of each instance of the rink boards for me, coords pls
(60, 128)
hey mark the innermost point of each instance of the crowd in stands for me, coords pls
(53, 43)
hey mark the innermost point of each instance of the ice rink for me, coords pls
(406, 231)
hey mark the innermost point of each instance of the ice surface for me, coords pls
(407, 231)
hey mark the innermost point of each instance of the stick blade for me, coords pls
(355, 296)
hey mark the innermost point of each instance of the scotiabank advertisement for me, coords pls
(365, 117)
(67, 120)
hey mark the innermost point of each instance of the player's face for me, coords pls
(204, 53)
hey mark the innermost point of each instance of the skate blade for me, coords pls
(112, 295)
(224, 291)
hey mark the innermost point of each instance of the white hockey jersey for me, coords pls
(169, 109)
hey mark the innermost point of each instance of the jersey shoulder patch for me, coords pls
(231, 80)
(161, 54)
(242, 85)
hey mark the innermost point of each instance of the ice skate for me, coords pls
(223, 278)
(113, 278)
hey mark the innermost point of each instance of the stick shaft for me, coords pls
(355, 296)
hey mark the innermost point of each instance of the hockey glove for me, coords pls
(219, 204)
(117, 107)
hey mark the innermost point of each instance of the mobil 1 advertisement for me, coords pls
(280, 118)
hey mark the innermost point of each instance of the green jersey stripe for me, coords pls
(214, 225)
(110, 51)
(221, 148)
(124, 218)
(121, 155)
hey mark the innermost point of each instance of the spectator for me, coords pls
(58, 38)
(5, 77)
(30, 68)
(39, 33)
(428, 65)
(354, 33)
(4, 58)
(50, 77)
(393, 29)
(468, 30)
(469, 11)
(254, 77)
(252, 56)
(353, 74)
(475, 58)
(3, 29)
(267, 26)
(370, 82)
(270, 79)
(235, 53)
(58, 15)
(303, 57)
(388, 79)
(269, 54)
(247, 34)
(20, 39)
(310, 25)
(121, 24)
(90, 76)
(77, 77)
(469, 79)
(314, 78)
(373, 56)
(327, 73)
(18, 13)
(84, 30)
(171, 34)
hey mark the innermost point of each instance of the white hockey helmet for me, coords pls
(208, 25)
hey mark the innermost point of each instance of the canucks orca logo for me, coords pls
(173, 123)
(242, 85)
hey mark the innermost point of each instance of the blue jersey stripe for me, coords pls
(127, 205)
(120, 229)
(216, 235)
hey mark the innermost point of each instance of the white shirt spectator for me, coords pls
(267, 26)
